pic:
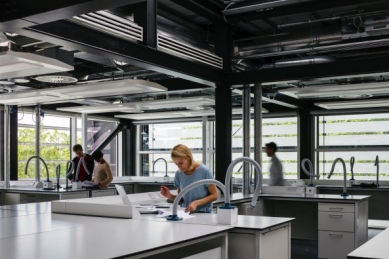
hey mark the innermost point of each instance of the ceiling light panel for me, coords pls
(145, 105)
(122, 87)
(337, 90)
(176, 114)
(20, 64)
(354, 104)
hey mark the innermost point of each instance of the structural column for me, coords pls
(37, 142)
(84, 131)
(246, 138)
(305, 139)
(6, 131)
(257, 126)
(223, 129)
(145, 15)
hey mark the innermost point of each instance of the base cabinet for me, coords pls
(24, 198)
(254, 244)
(101, 193)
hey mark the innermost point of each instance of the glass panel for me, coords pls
(354, 130)
(364, 168)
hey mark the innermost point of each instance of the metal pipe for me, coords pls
(257, 127)
(58, 174)
(44, 163)
(163, 159)
(191, 186)
(344, 194)
(68, 172)
(304, 61)
(246, 138)
(37, 141)
(6, 147)
(310, 172)
(229, 174)
(377, 164)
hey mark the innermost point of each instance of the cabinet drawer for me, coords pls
(336, 207)
(336, 221)
(29, 196)
(335, 245)
(78, 195)
(103, 193)
(49, 197)
(29, 201)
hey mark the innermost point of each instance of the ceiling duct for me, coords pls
(20, 64)
(381, 88)
(177, 114)
(182, 49)
(111, 24)
(303, 61)
(70, 93)
(133, 107)
(56, 79)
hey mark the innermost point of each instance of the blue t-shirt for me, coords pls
(181, 180)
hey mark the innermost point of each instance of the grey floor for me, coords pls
(307, 249)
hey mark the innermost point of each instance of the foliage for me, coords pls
(54, 150)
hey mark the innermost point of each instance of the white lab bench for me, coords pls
(377, 247)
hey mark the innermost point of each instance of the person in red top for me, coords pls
(90, 165)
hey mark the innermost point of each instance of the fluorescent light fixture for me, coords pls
(20, 64)
(145, 105)
(354, 104)
(74, 92)
(176, 114)
(337, 90)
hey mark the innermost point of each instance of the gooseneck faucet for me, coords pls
(69, 171)
(377, 164)
(352, 161)
(310, 172)
(191, 186)
(258, 171)
(163, 159)
(44, 163)
(58, 174)
(344, 194)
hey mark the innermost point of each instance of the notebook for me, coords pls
(126, 201)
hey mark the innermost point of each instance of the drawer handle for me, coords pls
(335, 216)
(336, 235)
(336, 208)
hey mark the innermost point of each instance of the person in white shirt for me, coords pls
(276, 174)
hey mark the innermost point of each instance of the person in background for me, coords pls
(90, 165)
(189, 171)
(102, 176)
(276, 174)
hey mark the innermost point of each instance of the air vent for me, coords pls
(56, 79)
(183, 49)
(111, 24)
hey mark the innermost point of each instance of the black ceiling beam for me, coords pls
(204, 9)
(293, 9)
(81, 38)
(309, 72)
(25, 13)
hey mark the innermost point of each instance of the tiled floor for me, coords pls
(307, 249)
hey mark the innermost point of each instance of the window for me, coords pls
(282, 131)
(55, 143)
(157, 140)
(98, 131)
(363, 136)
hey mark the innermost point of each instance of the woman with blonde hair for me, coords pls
(189, 171)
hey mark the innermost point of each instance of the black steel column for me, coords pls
(145, 15)
(13, 140)
(129, 150)
(2, 153)
(305, 133)
(223, 131)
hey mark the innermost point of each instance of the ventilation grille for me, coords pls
(111, 24)
(168, 44)
(56, 79)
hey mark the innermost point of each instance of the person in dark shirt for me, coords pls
(84, 173)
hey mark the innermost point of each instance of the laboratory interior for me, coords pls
(196, 129)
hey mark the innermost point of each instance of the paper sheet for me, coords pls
(180, 213)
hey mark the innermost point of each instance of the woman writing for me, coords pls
(189, 171)
(102, 175)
